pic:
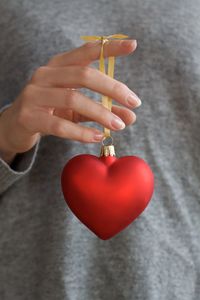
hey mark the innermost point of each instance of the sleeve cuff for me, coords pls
(20, 166)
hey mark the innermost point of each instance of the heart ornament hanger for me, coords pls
(107, 193)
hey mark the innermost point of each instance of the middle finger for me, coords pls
(86, 77)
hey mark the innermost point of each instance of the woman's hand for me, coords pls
(48, 105)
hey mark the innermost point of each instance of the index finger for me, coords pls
(90, 52)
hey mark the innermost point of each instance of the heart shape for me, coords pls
(107, 193)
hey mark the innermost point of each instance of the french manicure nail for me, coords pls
(129, 42)
(134, 100)
(117, 123)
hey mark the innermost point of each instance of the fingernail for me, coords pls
(98, 136)
(117, 123)
(129, 42)
(134, 100)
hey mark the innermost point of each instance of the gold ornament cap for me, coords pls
(109, 149)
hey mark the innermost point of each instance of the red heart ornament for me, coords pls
(107, 193)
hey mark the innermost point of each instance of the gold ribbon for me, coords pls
(106, 101)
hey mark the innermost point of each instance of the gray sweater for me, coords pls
(45, 251)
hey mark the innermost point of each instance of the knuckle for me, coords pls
(39, 73)
(23, 117)
(118, 87)
(52, 60)
(84, 74)
(28, 91)
(83, 135)
(58, 129)
(71, 98)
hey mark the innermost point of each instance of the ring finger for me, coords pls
(70, 99)
(125, 114)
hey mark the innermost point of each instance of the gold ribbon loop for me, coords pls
(106, 101)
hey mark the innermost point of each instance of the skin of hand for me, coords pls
(48, 105)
